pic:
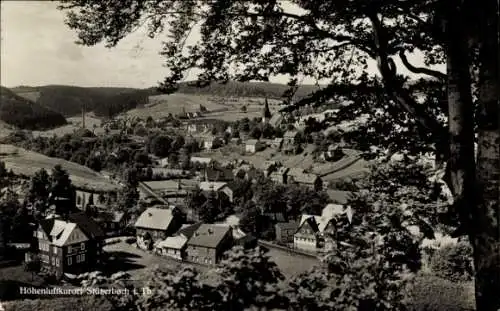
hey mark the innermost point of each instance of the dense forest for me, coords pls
(108, 102)
(69, 100)
(25, 114)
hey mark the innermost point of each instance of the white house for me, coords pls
(254, 145)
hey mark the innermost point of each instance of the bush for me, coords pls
(453, 262)
(431, 293)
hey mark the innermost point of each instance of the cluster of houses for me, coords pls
(162, 230)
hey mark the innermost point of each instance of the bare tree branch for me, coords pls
(420, 70)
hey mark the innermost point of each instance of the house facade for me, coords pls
(72, 245)
(208, 244)
(285, 232)
(289, 137)
(156, 224)
(317, 233)
(312, 181)
(175, 246)
(254, 145)
(280, 176)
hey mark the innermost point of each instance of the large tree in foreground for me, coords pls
(335, 40)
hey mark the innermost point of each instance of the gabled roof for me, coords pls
(288, 225)
(189, 230)
(90, 227)
(294, 171)
(281, 171)
(212, 185)
(329, 213)
(173, 242)
(59, 231)
(305, 178)
(209, 235)
(155, 218)
(219, 174)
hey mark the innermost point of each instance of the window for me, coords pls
(53, 261)
(69, 249)
(70, 261)
(82, 246)
(79, 200)
(54, 249)
(57, 262)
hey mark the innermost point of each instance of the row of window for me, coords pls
(201, 259)
(75, 249)
(79, 258)
(299, 239)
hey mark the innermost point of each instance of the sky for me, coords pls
(37, 48)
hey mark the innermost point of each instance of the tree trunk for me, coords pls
(461, 163)
(487, 240)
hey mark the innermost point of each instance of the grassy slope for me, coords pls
(26, 162)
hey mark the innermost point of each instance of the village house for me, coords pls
(280, 176)
(156, 224)
(312, 181)
(163, 162)
(91, 196)
(285, 231)
(175, 246)
(71, 245)
(219, 187)
(171, 188)
(269, 167)
(194, 128)
(289, 137)
(212, 143)
(208, 244)
(317, 233)
(277, 143)
(254, 145)
(218, 174)
(111, 222)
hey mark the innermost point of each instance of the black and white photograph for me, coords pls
(250, 155)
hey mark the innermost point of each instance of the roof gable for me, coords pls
(155, 218)
(209, 235)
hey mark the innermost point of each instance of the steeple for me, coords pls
(266, 113)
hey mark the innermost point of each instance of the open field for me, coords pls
(25, 162)
(74, 123)
(228, 109)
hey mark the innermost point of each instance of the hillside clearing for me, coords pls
(24, 162)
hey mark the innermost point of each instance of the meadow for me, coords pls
(24, 162)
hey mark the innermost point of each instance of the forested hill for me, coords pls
(69, 100)
(25, 114)
(107, 102)
(245, 89)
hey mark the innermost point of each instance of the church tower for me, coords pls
(266, 113)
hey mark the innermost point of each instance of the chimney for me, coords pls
(210, 231)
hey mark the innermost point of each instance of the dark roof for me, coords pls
(46, 225)
(209, 235)
(219, 174)
(189, 230)
(113, 216)
(87, 225)
(287, 225)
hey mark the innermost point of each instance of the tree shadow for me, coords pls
(122, 261)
